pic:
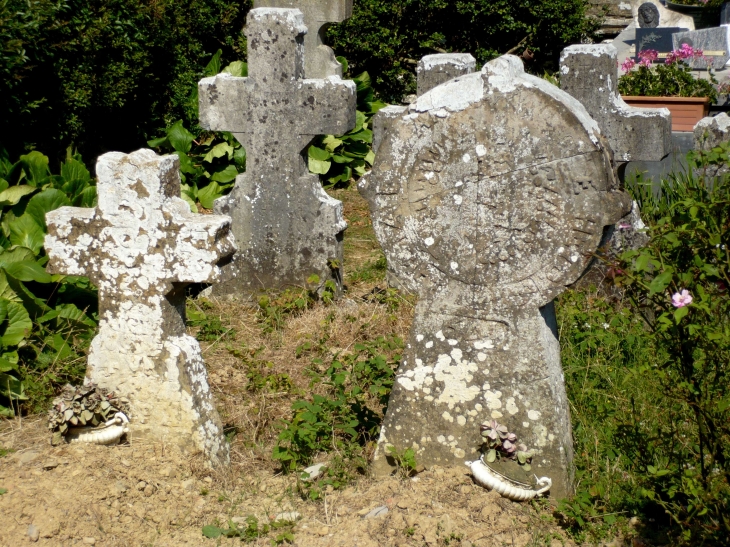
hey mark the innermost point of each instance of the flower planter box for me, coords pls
(686, 111)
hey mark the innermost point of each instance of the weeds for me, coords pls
(348, 415)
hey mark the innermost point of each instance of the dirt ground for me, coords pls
(141, 494)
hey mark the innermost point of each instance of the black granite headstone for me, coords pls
(725, 14)
(658, 39)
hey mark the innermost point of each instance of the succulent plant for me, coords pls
(499, 441)
(79, 406)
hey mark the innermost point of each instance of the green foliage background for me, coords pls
(386, 38)
(105, 74)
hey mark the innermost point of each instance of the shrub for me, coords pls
(386, 38)
(105, 74)
(45, 320)
(647, 376)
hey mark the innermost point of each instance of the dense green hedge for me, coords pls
(105, 74)
(387, 37)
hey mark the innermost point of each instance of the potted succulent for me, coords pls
(670, 85)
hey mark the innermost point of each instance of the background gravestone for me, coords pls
(588, 73)
(286, 226)
(319, 60)
(488, 197)
(141, 246)
(712, 41)
(658, 39)
(433, 70)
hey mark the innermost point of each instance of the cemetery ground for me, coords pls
(264, 357)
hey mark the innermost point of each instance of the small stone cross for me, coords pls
(488, 196)
(286, 227)
(141, 246)
(588, 73)
(319, 59)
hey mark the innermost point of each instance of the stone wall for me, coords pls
(615, 15)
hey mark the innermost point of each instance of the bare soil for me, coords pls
(142, 493)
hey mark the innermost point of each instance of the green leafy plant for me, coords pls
(339, 159)
(210, 161)
(674, 78)
(679, 283)
(44, 319)
(386, 38)
(105, 75)
(349, 414)
(405, 461)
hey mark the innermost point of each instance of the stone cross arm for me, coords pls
(312, 107)
(141, 236)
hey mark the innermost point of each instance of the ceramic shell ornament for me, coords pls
(513, 490)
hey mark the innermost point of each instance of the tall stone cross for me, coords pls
(588, 73)
(319, 59)
(141, 246)
(488, 197)
(286, 227)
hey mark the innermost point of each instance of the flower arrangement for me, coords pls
(674, 78)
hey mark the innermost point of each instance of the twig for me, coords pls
(518, 46)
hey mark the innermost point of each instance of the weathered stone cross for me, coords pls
(488, 196)
(319, 59)
(286, 227)
(588, 73)
(141, 246)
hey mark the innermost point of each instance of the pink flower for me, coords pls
(628, 64)
(681, 299)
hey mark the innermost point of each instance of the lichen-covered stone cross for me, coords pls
(286, 227)
(319, 59)
(141, 246)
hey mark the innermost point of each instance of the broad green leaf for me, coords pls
(661, 282)
(3, 310)
(491, 455)
(318, 160)
(3, 184)
(237, 68)
(26, 232)
(363, 135)
(73, 169)
(319, 167)
(14, 194)
(157, 143)
(28, 270)
(18, 324)
(6, 293)
(17, 254)
(186, 164)
(35, 166)
(228, 174)
(331, 143)
(11, 387)
(370, 158)
(180, 138)
(211, 531)
(218, 151)
(19, 293)
(73, 313)
(214, 65)
(87, 198)
(319, 154)
(340, 159)
(680, 313)
(239, 158)
(45, 202)
(344, 63)
(210, 193)
(356, 149)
